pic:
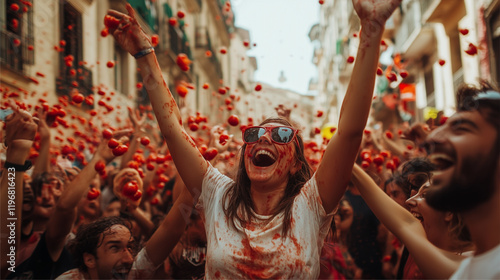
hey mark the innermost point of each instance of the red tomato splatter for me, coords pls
(441, 62)
(180, 14)
(111, 22)
(365, 164)
(210, 153)
(130, 188)
(113, 143)
(155, 39)
(14, 7)
(108, 134)
(350, 59)
(222, 90)
(183, 61)
(403, 74)
(120, 150)
(93, 194)
(258, 87)
(99, 166)
(389, 134)
(181, 90)
(392, 77)
(193, 127)
(223, 50)
(472, 50)
(172, 21)
(223, 138)
(464, 31)
(105, 32)
(145, 141)
(205, 86)
(319, 113)
(137, 196)
(233, 120)
(110, 64)
(77, 98)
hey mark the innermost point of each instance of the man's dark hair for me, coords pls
(473, 98)
(89, 237)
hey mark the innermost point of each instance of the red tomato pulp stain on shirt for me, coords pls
(296, 243)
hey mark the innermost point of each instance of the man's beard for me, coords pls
(470, 186)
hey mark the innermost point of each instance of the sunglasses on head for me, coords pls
(279, 134)
(488, 95)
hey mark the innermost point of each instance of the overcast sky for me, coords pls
(280, 29)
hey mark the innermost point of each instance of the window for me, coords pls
(121, 71)
(73, 74)
(16, 34)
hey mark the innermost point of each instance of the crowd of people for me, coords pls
(412, 202)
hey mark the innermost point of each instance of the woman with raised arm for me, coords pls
(436, 255)
(271, 221)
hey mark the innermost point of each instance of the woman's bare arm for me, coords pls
(432, 261)
(334, 171)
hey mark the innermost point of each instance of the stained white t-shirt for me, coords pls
(484, 266)
(258, 250)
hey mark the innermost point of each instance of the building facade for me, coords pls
(430, 47)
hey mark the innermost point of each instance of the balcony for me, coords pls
(14, 52)
(174, 41)
(65, 82)
(223, 30)
(413, 38)
(211, 64)
(442, 10)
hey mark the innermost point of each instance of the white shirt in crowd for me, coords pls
(258, 249)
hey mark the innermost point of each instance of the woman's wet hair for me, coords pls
(237, 200)
(89, 237)
(460, 233)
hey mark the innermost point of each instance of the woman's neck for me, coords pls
(265, 202)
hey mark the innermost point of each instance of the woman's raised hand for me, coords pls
(127, 31)
(374, 13)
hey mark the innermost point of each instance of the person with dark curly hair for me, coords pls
(106, 248)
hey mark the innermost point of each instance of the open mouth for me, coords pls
(263, 158)
(121, 273)
(48, 206)
(418, 216)
(441, 161)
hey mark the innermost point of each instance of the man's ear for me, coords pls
(89, 260)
